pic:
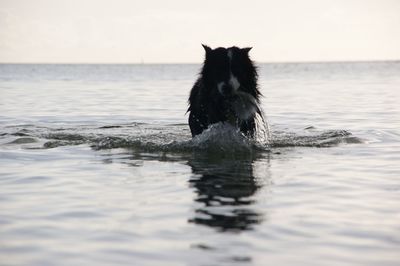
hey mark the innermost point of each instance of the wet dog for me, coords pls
(226, 91)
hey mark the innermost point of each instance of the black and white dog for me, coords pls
(226, 91)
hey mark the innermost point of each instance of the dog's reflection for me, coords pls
(225, 189)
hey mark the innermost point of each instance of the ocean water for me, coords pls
(97, 167)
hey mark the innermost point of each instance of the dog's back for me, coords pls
(226, 91)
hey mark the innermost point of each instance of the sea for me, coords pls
(98, 167)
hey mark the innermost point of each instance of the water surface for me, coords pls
(97, 167)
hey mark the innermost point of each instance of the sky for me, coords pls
(172, 31)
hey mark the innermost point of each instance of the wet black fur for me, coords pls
(207, 105)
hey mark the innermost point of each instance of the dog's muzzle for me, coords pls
(226, 90)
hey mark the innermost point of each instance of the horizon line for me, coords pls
(197, 63)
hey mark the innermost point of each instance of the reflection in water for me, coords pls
(225, 187)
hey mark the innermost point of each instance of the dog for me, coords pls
(226, 91)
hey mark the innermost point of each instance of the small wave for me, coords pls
(23, 140)
(220, 137)
(327, 138)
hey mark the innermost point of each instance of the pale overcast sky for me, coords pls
(131, 31)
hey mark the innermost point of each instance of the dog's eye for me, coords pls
(237, 69)
(218, 70)
(221, 69)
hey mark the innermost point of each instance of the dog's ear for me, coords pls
(247, 49)
(206, 48)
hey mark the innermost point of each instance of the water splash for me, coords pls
(263, 133)
(220, 138)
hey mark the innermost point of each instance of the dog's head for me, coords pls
(229, 72)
